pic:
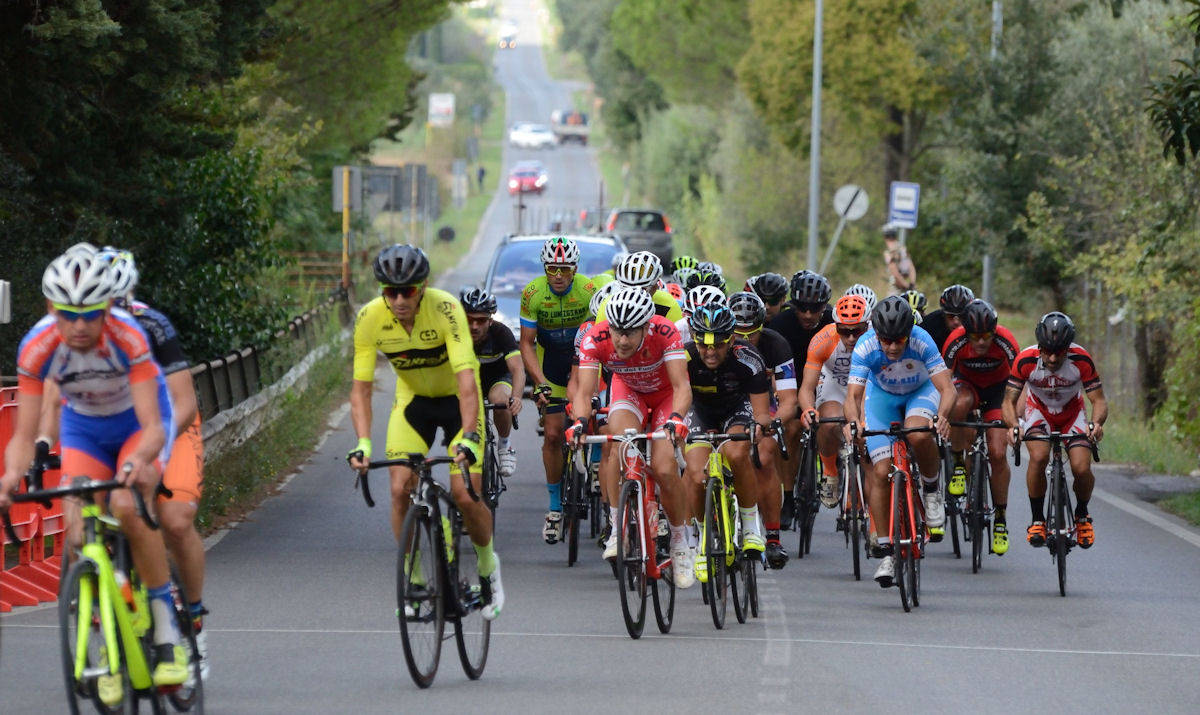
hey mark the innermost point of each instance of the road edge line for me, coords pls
(1147, 516)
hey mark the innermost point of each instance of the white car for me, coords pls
(532, 136)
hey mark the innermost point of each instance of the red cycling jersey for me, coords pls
(646, 370)
(1058, 392)
(991, 368)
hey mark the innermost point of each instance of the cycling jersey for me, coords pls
(829, 355)
(935, 325)
(556, 318)
(991, 368)
(425, 360)
(919, 362)
(778, 355)
(164, 339)
(664, 305)
(645, 371)
(493, 353)
(787, 324)
(602, 279)
(722, 390)
(1055, 392)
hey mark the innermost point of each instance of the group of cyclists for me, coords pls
(674, 351)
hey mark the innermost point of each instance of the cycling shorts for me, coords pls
(94, 446)
(415, 420)
(1069, 421)
(987, 399)
(651, 408)
(830, 391)
(557, 391)
(184, 475)
(502, 379)
(883, 408)
(708, 420)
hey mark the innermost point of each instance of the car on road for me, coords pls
(528, 177)
(508, 35)
(532, 136)
(569, 125)
(642, 230)
(518, 260)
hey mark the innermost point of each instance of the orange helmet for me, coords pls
(850, 310)
(675, 290)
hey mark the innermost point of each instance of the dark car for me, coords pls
(518, 260)
(642, 230)
(527, 177)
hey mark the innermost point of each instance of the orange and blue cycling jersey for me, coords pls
(98, 424)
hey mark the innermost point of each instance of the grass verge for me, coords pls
(1126, 441)
(1184, 505)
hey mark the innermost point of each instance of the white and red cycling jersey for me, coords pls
(640, 383)
(1055, 395)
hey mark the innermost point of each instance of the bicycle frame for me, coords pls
(901, 478)
(717, 468)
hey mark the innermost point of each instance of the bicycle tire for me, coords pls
(594, 509)
(854, 526)
(472, 632)
(631, 571)
(421, 633)
(752, 585)
(914, 561)
(814, 504)
(738, 586)
(899, 529)
(188, 698)
(1061, 539)
(664, 613)
(717, 585)
(977, 512)
(69, 620)
(572, 499)
(953, 516)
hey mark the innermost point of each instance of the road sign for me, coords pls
(441, 109)
(903, 202)
(850, 202)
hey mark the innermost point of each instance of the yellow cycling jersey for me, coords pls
(426, 359)
(664, 305)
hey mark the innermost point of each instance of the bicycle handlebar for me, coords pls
(414, 460)
(994, 424)
(497, 407)
(78, 487)
(1059, 437)
(630, 437)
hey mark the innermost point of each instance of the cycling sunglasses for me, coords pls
(402, 291)
(980, 336)
(749, 332)
(810, 307)
(712, 340)
(556, 270)
(851, 332)
(886, 341)
(71, 313)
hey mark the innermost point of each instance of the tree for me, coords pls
(1174, 102)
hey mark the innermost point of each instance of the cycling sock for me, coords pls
(679, 535)
(162, 609)
(749, 519)
(1001, 517)
(829, 468)
(773, 534)
(485, 558)
(1037, 506)
(502, 442)
(612, 519)
(1081, 509)
(555, 496)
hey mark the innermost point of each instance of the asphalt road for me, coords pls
(302, 599)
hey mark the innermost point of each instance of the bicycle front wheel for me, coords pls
(86, 673)
(421, 607)
(631, 570)
(738, 585)
(854, 523)
(189, 698)
(978, 514)
(715, 539)
(663, 587)
(900, 533)
(573, 504)
(472, 632)
(1060, 537)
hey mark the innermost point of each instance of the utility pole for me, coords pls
(814, 171)
(997, 32)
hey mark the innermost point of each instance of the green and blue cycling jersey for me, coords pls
(556, 318)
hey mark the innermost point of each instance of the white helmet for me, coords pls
(702, 295)
(601, 293)
(681, 275)
(629, 308)
(866, 293)
(77, 277)
(84, 247)
(560, 250)
(123, 269)
(641, 270)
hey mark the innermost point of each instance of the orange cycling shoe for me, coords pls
(1036, 534)
(1084, 533)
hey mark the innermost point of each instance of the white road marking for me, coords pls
(1147, 516)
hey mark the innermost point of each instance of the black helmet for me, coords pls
(401, 265)
(809, 287)
(979, 317)
(1055, 332)
(893, 318)
(771, 287)
(712, 318)
(955, 298)
(705, 278)
(748, 310)
(477, 300)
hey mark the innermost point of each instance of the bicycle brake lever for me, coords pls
(143, 511)
(466, 475)
(1016, 446)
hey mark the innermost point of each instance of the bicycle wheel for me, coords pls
(1061, 536)
(594, 506)
(631, 570)
(420, 594)
(663, 588)
(978, 511)
(572, 502)
(716, 588)
(914, 560)
(472, 632)
(854, 524)
(738, 586)
(899, 534)
(78, 615)
(189, 697)
(953, 515)
(752, 585)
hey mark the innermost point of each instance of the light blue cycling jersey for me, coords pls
(920, 361)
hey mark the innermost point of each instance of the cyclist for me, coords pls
(705, 278)
(866, 293)
(552, 308)
(696, 298)
(903, 378)
(1057, 373)
(806, 313)
(980, 355)
(772, 288)
(682, 275)
(730, 392)
(823, 387)
(943, 321)
(916, 299)
(116, 411)
(685, 262)
(649, 391)
(501, 374)
(423, 333)
(643, 270)
(750, 314)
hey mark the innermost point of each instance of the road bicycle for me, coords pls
(976, 513)
(105, 624)
(643, 560)
(581, 498)
(493, 481)
(806, 494)
(853, 518)
(908, 529)
(437, 575)
(1060, 516)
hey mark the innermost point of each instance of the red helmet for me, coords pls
(850, 310)
(675, 290)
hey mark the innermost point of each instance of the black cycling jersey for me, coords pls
(788, 325)
(493, 353)
(164, 339)
(935, 325)
(724, 389)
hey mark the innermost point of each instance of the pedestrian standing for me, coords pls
(902, 274)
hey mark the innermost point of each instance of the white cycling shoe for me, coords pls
(492, 610)
(507, 459)
(683, 561)
(935, 510)
(885, 575)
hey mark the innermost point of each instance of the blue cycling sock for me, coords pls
(555, 496)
